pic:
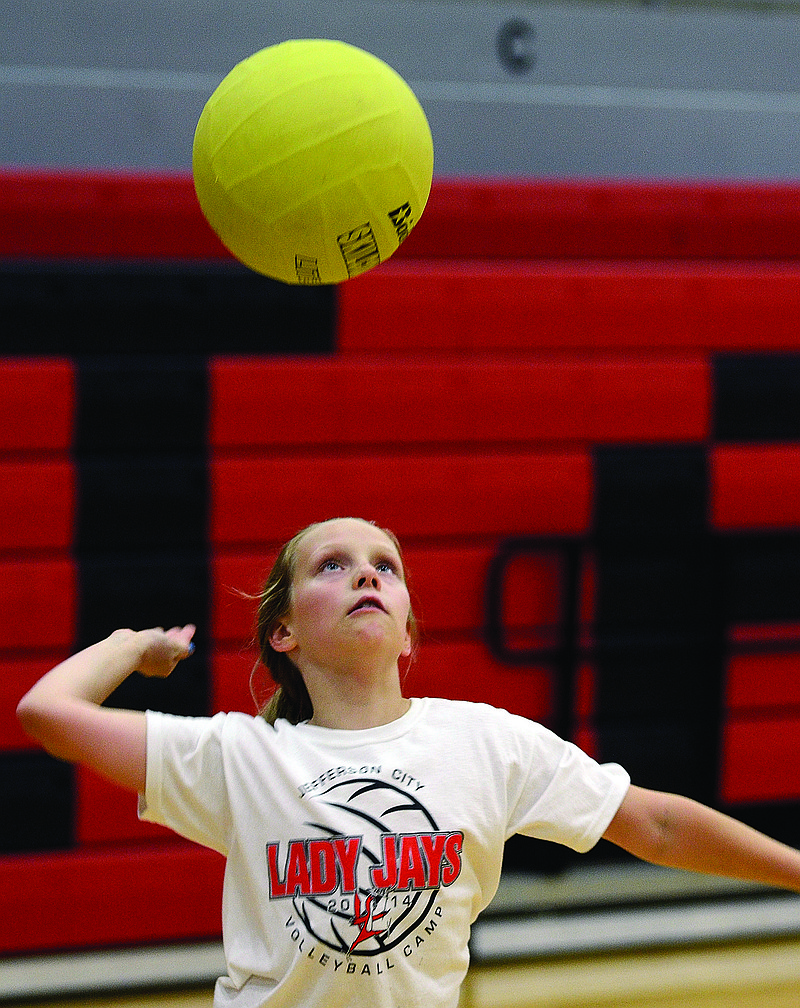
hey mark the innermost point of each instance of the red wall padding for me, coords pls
(607, 219)
(261, 403)
(763, 680)
(761, 735)
(37, 501)
(521, 324)
(266, 499)
(755, 486)
(107, 814)
(38, 603)
(757, 754)
(119, 896)
(145, 215)
(460, 305)
(231, 668)
(234, 576)
(37, 401)
(117, 215)
(38, 581)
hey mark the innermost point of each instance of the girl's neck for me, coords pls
(359, 718)
(355, 702)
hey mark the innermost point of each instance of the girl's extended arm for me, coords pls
(678, 832)
(62, 711)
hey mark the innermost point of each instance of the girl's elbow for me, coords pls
(28, 715)
(39, 722)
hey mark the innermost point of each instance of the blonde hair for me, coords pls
(290, 699)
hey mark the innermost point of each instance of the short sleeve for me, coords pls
(560, 793)
(185, 787)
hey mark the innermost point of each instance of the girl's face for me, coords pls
(349, 597)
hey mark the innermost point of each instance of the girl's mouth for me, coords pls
(368, 602)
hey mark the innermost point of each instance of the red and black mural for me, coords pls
(576, 403)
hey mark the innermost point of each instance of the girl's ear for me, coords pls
(408, 647)
(282, 638)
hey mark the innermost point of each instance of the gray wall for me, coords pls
(600, 90)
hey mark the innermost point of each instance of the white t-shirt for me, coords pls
(357, 860)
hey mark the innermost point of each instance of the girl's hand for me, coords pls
(158, 650)
(64, 710)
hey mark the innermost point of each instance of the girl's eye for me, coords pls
(330, 565)
(384, 566)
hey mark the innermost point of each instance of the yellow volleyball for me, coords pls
(312, 161)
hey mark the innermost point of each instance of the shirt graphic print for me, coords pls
(371, 888)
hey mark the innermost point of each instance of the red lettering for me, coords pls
(322, 865)
(384, 876)
(347, 850)
(298, 881)
(452, 854)
(433, 848)
(411, 872)
(277, 889)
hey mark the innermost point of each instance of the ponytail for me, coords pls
(290, 699)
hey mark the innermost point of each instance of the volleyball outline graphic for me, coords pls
(340, 921)
(312, 161)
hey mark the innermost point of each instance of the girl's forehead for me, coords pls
(345, 533)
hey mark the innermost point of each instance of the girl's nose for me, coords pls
(367, 577)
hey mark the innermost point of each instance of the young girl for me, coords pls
(363, 830)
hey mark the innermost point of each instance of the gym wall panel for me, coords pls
(38, 603)
(234, 577)
(615, 362)
(514, 305)
(757, 753)
(37, 804)
(232, 667)
(137, 306)
(98, 898)
(48, 525)
(72, 213)
(107, 814)
(37, 402)
(761, 571)
(38, 585)
(657, 632)
(261, 403)
(769, 679)
(462, 670)
(115, 215)
(256, 500)
(448, 585)
(606, 219)
(140, 530)
(755, 397)
(755, 486)
(762, 697)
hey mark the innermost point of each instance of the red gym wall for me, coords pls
(604, 365)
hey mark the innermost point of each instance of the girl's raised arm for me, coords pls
(63, 710)
(678, 832)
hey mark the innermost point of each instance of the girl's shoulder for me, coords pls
(479, 716)
(220, 726)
